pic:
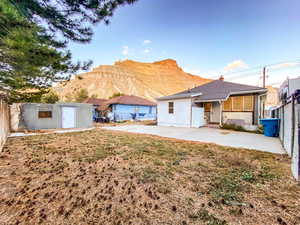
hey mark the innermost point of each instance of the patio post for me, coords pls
(221, 114)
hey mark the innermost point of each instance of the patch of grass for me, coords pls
(230, 187)
(248, 176)
(227, 188)
(149, 175)
(99, 154)
(208, 218)
(267, 174)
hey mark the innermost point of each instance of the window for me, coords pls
(207, 107)
(171, 107)
(237, 103)
(227, 105)
(45, 114)
(248, 103)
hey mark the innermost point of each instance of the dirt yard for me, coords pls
(113, 178)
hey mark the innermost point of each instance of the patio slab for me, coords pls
(210, 135)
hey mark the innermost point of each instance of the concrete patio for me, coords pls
(209, 135)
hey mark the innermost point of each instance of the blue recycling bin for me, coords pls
(271, 127)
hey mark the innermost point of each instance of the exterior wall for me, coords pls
(128, 112)
(289, 86)
(181, 116)
(31, 121)
(16, 117)
(239, 116)
(4, 122)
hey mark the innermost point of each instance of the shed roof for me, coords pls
(215, 90)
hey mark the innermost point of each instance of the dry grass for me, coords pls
(106, 177)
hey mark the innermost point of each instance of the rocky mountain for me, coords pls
(148, 80)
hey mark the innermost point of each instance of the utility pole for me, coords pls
(264, 86)
(264, 77)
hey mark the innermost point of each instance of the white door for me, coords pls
(215, 112)
(198, 117)
(68, 117)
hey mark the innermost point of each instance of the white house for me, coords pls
(216, 102)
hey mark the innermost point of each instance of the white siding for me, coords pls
(181, 116)
(246, 116)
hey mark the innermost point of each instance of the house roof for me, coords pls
(215, 90)
(95, 101)
(126, 100)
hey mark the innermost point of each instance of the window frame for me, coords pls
(41, 116)
(231, 102)
(171, 107)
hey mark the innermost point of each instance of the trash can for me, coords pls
(271, 127)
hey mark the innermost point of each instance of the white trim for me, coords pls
(196, 94)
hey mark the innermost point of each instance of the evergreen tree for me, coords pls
(32, 56)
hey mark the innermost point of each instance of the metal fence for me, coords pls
(289, 133)
(4, 121)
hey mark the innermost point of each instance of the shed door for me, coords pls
(68, 117)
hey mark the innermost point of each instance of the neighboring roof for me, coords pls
(126, 100)
(215, 90)
(95, 101)
(130, 100)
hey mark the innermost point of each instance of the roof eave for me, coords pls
(249, 92)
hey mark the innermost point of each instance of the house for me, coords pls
(216, 102)
(288, 88)
(96, 102)
(36, 116)
(129, 107)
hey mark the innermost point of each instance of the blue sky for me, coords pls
(207, 37)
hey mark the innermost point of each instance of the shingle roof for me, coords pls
(126, 100)
(129, 100)
(95, 101)
(215, 90)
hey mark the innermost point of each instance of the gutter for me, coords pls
(264, 91)
(190, 95)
